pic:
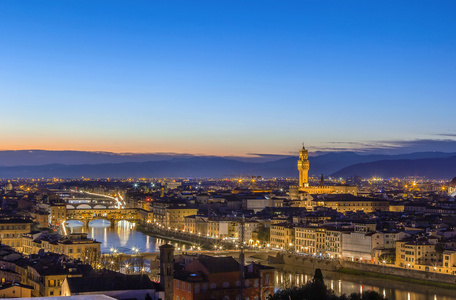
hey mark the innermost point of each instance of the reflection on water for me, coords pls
(347, 284)
(122, 237)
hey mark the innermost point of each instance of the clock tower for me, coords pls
(303, 167)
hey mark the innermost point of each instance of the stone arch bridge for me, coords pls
(91, 202)
(112, 215)
(91, 205)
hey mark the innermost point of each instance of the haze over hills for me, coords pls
(76, 164)
(428, 167)
(10, 158)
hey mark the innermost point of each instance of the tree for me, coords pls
(318, 277)
(263, 234)
(439, 248)
(317, 290)
(370, 295)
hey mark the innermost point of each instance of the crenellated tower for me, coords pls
(303, 167)
(167, 270)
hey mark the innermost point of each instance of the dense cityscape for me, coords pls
(205, 229)
(227, 150)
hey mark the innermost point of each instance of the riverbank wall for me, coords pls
(305, 262)
(297, 260)
(401, 272)
(366, 268)
(201, 241)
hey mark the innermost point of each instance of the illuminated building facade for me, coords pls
(304, 189)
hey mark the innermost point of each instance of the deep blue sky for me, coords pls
(227, 77)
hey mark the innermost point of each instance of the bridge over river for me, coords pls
(86, 207)
(113, 215)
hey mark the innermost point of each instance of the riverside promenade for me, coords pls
(300, 260)
(365, 268)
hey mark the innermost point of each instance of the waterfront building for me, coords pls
(176, 215)
(217, 228)
(172, 214)
(416, 254)
(366, 243)
(249, 228)
(357, 245)
(190, 224)
(319, 240)
(58, 213)
(333, 242)
(305, 239)
(146, 216)
(384, 244)
(282, 236)
(197, 225)
(449, 262)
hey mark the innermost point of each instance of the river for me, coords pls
(124, 238)
(340, 283)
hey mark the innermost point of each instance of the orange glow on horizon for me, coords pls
(139, 148)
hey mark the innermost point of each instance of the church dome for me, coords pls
(453, 182)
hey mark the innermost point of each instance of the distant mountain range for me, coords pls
(10, 158)
(428, 167)
(76, 164)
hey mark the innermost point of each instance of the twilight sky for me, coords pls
(228, 77)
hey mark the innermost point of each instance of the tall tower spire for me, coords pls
(303, 167)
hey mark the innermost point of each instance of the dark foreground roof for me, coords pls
(219, 264)
(118, 282)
